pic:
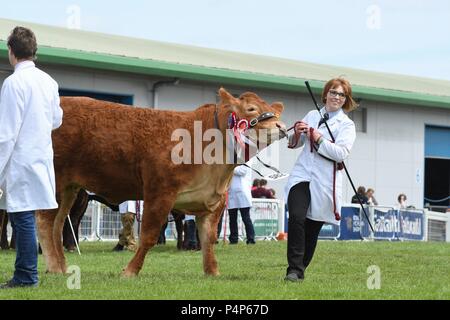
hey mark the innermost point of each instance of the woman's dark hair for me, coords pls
(400, 196)
(22, 43)
(361, 190)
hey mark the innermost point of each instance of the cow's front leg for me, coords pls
(155, 215)
(207, 229)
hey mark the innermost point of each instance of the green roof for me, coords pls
(109, 52)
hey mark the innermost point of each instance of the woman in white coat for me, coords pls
(314, 189)
(29, 111)
(240, 198)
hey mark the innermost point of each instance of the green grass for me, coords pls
(409, 270)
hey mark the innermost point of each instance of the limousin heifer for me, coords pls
(125, 153)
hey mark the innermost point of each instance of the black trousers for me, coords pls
(234, 232)
(302, 232)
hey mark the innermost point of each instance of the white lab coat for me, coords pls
(130, 206)
(29, 111)
(239, 193)
(311, 167)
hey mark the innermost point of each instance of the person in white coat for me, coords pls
(29, 111)
(314, 188)
(128, 211)
(240, 198)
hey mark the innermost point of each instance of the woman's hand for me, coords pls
(301, 127)
(315, 135)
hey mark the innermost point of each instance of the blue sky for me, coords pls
(400, 36)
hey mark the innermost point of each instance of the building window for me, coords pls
(359, 117)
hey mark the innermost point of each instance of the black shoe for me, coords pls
(293, 277)
(118, 247)
(11, 284)
(251, 242)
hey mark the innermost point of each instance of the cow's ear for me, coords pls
(279, 107)
(226, 98)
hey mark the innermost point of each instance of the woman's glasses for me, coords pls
(336, 94)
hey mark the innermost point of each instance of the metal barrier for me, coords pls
(267, 216)
(411, 225)
(330, 231)
(393, 224)
(350, 225)
(436, 226)
(101, 223)
(384, 221)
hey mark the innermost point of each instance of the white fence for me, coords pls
(101, 223)
(437, 226)
(267, 216)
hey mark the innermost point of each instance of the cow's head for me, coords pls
(258, 113)
(255, 120)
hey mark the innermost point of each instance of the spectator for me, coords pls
(128, 212)
(190, 233)
(262, 191)
(402, 203)
(272, 193)
(256, 184)
(240, 198)
(29, 111)
(370, 198)
(362, 196)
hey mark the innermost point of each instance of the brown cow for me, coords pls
(124, 153)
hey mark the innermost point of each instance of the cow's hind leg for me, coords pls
(155, 215)
(68, 198)
(207, 229)
(44, 221)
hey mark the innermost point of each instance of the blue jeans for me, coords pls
(24, 225)
(249, 230)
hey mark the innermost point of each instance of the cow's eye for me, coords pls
(251, 109)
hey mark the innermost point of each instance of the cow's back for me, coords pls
(104, 146)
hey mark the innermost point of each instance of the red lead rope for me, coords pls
(336, 214)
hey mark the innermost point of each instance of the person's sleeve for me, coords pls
(339, 150)
(57, 110)
(300, 142)
(240, 170)
(375, 202)
(11, 117)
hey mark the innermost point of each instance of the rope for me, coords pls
(73, 234)
(439, 200)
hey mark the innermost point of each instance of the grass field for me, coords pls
(409, 270)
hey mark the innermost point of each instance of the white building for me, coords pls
(403, 138)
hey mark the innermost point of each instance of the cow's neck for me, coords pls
(208, 187)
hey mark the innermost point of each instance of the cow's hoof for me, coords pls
(54, 271)
(128, 274)
(212, 273)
